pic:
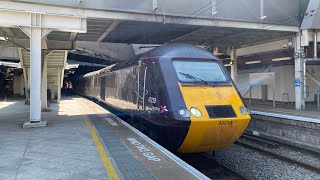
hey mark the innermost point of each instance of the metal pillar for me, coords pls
(234, 65)
(299, 99)
(35, 75)
(315, 45)
(44, 87)
(37, 26)
(59, 86)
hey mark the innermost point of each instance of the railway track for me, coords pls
(305, 158)
(210, 167)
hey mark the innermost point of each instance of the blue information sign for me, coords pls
(297, 82)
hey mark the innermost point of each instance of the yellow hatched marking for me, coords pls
(106, 161)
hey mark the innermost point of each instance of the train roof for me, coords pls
(169, 50)
(180, 50)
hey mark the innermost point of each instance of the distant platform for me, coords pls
(298, 127)
(285, 111)
(82, 141)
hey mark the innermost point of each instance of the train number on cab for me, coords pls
(225, 123)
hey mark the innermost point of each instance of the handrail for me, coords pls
(283, 97)
(138, 86)
(144, 88)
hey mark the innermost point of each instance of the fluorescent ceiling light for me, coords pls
(227, 65)
(253, 62)
(3, 39)
(282, 59)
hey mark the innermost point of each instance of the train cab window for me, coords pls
(199, 72)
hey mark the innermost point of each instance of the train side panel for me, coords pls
(142, 92)
(119, 89)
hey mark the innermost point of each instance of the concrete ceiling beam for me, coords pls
(73, 36)
(51, 44)
(267, 47)
(8, 32)
(44, 43)
(15, 14)
(108, 31)
(72, 20)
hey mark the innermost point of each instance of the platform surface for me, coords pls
(82, 141)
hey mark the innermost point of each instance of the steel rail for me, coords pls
(270, 153)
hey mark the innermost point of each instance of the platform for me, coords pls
(82, 141)
(284, 123)
(286, 111)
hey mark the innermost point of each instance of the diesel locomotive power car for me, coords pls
(179, 95)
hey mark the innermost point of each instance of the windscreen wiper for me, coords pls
(193, 77)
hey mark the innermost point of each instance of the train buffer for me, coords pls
(82, 141)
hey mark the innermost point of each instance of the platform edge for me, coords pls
(170, 155)
(277, 115)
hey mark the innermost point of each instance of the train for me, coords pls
(180, 95)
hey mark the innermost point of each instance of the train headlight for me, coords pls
(243, 110)
(184, 112)
(196, 112)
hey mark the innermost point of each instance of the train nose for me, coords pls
(212, 135)
(220, 136)
(223, 118)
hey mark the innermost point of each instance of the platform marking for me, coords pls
(145, 151)
(106, 161)
(196, 173)
(167, 153)
(111, 122)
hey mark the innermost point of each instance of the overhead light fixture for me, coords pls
(227, 65)
(282, 59)
(3, 39)
(253, 62)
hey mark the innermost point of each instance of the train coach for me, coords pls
(179, 95)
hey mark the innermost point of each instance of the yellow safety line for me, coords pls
(106, 161)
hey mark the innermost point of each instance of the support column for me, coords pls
(59, 86)
(298, 74)
(35, 75)
(37, 26)
(234, 65)
(44, 87)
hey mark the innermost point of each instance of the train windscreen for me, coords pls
(205, 72)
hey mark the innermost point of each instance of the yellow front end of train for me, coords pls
(209, 134)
